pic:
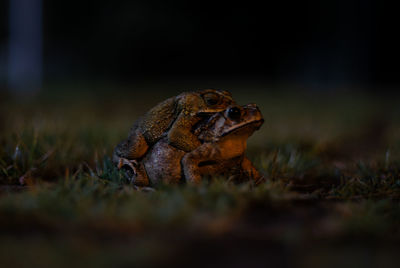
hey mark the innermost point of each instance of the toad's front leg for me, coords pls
(191, 161)
(180, 135)
(251, 172)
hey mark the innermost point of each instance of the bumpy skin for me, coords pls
(222, 152)
(174, 118)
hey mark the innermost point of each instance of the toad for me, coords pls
(222, 152)
(174, 118)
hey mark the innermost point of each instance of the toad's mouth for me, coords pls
(256, 124)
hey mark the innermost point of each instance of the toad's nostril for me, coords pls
(234, 113)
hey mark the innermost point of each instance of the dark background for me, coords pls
(315, 44)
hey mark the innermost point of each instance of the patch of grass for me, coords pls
(329, 181)
(369, 181)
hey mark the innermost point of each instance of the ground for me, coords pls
(331, 159)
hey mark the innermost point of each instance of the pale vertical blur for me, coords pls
(25, 45)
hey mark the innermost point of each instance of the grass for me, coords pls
(331, 198)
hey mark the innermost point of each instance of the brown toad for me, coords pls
(222, 152)
(175, 118)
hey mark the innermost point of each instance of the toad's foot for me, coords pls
(139, 176)
(133, 164)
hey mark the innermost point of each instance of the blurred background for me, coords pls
(317, 69)
(75, 75)
(317, 45)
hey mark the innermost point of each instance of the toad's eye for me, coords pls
(211, 99)
(234, 113)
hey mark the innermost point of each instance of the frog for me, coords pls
(223, 140)
(174, 119)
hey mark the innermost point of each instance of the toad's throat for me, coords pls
(256, 123)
